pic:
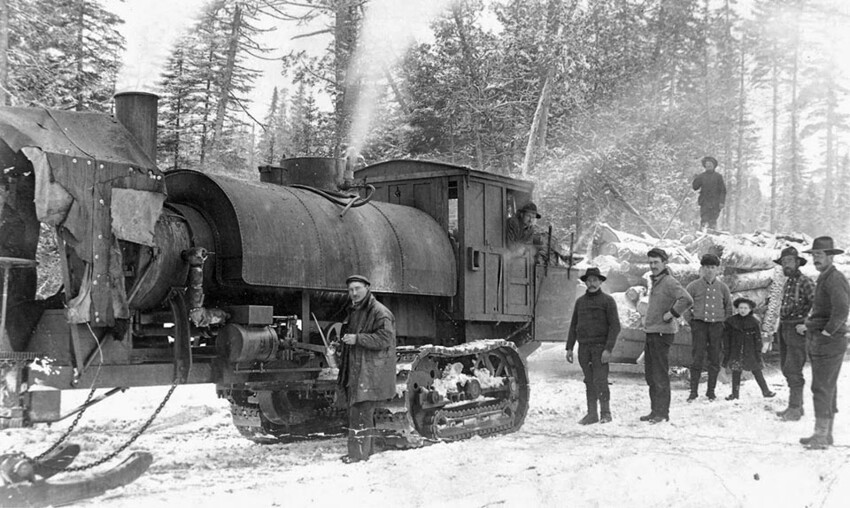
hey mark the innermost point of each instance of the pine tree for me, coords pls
(63, 54)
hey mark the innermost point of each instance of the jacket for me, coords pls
(595, 321)
(712, 189)
(712, 302)
(367, 371)
(666, 295)
(829, 313)
(742, 343)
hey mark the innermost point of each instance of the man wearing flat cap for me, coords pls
(595, 326)
(826, 340)
(367, 367)
(712, 305)
(667, 301)
(712, 193)
(797, 295)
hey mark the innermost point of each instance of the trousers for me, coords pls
(595, 372)
(361, 429)
(827, 355)
(706, 339)
(657, 371)
(792, 354)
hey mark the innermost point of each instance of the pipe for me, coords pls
(137, 112)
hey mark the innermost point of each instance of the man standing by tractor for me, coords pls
(595, 326)
(797, 294)
(712, 305)
(367, 370)
(667, 301)
(826, 338)
(712, 193)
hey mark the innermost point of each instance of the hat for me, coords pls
(708, 158)
(357, 278)
(825, 244)
(739, 301)
(591, 272)
(656, 252)
(709, 260)
(529, 207)
(790, 251)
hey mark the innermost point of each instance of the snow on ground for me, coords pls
(709, 454)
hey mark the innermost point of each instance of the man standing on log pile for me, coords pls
(667, 301)
(712, 193)
(797, 297)
(595, 325)
(826, 339)
(712, 305)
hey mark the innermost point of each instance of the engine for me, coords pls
(189, 277)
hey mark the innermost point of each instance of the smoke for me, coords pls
(389, 29)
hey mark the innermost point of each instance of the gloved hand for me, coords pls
(766, 346)
(801, 329)
(606, 356)
(570, 355)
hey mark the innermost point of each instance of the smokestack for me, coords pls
(137, 112)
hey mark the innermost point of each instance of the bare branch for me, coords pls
(318, 32)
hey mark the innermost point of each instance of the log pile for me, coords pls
(746, 260)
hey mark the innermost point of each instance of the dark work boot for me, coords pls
(736, 384)
(712, 382)
(820, 439)
(592, 416)
(795, 405)
(765, 391)
(695, 374)
(604, 411)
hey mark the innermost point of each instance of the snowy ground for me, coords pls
(709, 454)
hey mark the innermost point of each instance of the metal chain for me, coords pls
(124, 446)
(73, 423)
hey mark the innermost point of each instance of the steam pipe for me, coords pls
(137, 112)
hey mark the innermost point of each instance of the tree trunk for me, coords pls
(4, 56)
(773, 148)
(545, 94)
(469, 63)
(739, 156)
(346, 94)
(80, 55)
(227, 75)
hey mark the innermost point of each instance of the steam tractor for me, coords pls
(183, 277)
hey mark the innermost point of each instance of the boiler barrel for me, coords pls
(285, 237)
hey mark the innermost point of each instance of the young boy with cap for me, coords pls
(712, 305)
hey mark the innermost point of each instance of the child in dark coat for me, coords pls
(742, 347)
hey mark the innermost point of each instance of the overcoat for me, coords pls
(742, 343)
(367, 371)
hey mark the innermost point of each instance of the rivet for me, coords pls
(74, 161)
(101, 202)
(94, 283)
(101, 166)
(97, 256)
(88, 162)
(100, 237)
(129, 170)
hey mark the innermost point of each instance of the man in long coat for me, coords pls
(712, 193)
(367, 372)
(826, 337)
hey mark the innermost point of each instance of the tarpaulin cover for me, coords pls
(89, 155)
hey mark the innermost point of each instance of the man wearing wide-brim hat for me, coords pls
(595, 325)
(826, 339)
(797, 295)
(520, 227)
(712, 193)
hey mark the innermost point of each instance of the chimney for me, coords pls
(137, 112)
